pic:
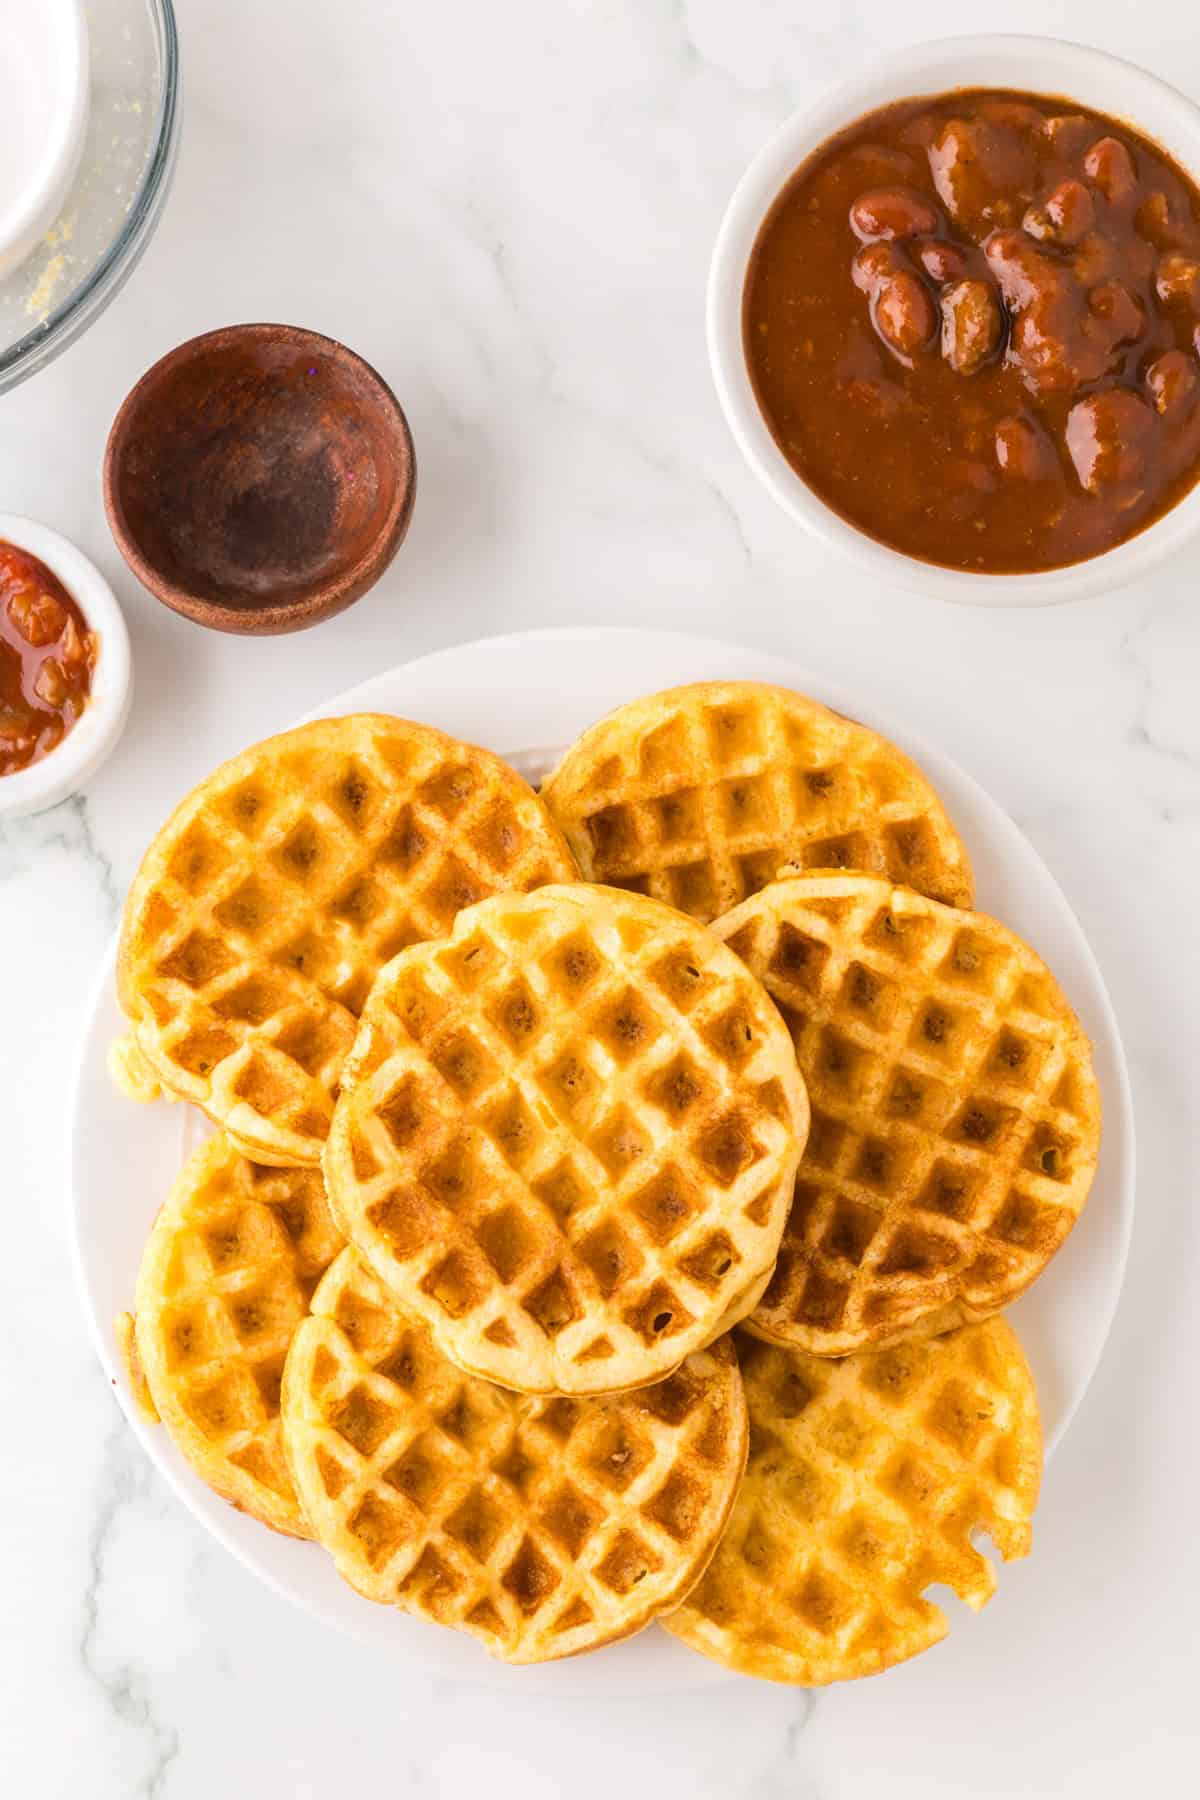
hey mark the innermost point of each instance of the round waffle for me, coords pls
(955, 1113)
(544, 1527)
(865, 1481)
(272, 896)
(700, 795)
(567, 1138)
(227, 1273)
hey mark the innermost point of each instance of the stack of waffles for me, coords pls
(615, 1190)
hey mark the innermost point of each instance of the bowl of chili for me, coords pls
(954, 320)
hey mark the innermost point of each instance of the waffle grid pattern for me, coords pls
(866, 1480)
(227, 1274)
(542, 1526)
(567, 1138)
(272, 897)
(955, 1115)
(700, 796)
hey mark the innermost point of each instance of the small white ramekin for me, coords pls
(75, 760)
(1038, 65)
(52, 51)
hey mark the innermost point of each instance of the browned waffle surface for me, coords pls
(866, 1480)
(268, 902)
(567, 1138)
(227, 1273)
(700, 795)
(955, 1113)
(543, 1527)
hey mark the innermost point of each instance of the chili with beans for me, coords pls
(973, 326)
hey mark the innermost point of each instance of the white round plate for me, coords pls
(527, 697)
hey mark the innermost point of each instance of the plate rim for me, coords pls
(1118, 1114)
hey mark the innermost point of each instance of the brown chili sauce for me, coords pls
(973, 326)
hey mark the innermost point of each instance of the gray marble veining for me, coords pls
(509, 210)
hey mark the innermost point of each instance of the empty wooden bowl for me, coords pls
(259, 478)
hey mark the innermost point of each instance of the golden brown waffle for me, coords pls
(955, 1113)
(567, 1138)
(270, 899)
(700, 795)
(227, 1273)
(865, 1482)
(544, 1527)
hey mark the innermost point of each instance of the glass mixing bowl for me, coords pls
(117, 195)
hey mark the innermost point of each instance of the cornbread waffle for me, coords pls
(700, 795)
(865, 1481)
(955, 1114)
(544, 1527)
(227, 1273)
(115, 1144)
(268, 902)
(567, 1137)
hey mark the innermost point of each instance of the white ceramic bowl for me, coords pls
(1038, 65)
(76, 759)
(43, 119)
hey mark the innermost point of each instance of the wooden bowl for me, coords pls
(259, 478)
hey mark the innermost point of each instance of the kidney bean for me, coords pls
(1064, 217)
(1067, 133)
(1023, 451)
(1109, 435)
(873, 264)
(1153, 221)
(942, 262)
(902, 310)
(1022, 270)
(904, 313)
(1173, 379)
(1178, 278)
(978, 169)
(972, 325)
(1056, 341)
(1109, 164)
(891, 213)
(1044, 301)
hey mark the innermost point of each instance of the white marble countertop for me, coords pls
(509, 210)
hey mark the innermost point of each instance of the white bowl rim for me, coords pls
(87, 744)
(1039, 65)
(33, 210)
